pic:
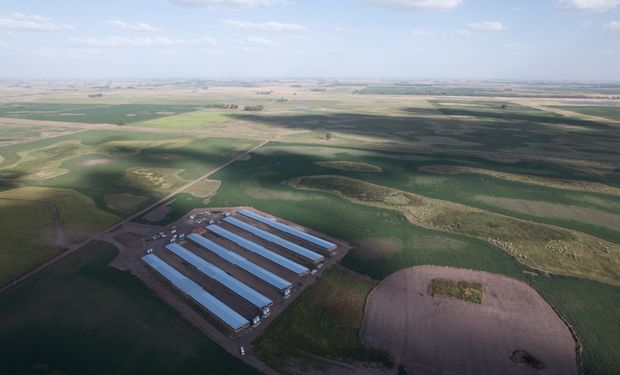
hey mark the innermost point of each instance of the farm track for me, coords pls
(58, 229)
(72, 248)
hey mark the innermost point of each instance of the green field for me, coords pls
(83, 317)
(610, 112)
(118, 114)
(324, 321)
(403, 244)
(462, 182)
(28, 225)
(190, 120)
(101, 163)
(86, 176)
(22, 249)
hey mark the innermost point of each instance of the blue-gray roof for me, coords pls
(258, 249)
(197, 293)
(220, 276)
(241, 262)
(289, 229)
(299, 250)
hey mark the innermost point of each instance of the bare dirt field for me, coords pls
(440, 335)
(96, 161)
(158, 213)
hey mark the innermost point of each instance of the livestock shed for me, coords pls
(255, 298)
(329, 246)
(217, 308)
(231, 257)
(278, 259)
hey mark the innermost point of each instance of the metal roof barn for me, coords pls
(259, 250)
(216, 307)
(241, 262)
(299, 250)
(217, 274)
(289, 229)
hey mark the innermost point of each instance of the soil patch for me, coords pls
(97, 161)
(430, 335)
(521, 356)
(130, 239)
(158, 213)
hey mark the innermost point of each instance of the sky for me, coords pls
(396, 39)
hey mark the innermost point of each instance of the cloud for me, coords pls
(225, 3)
(345, 29)
(459, 34)
(258, 41)
(423, 33)
(416, 4)
(49, 52)
(264, 26)
(612, 26)
(32, 22)
(120, 42)
(587, 5)
(486, 26)
(122, 25)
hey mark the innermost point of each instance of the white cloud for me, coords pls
(417, 4)
(587, 5)
(423, 33)
(486, 26)
(20, 21)
(345, 29)
(247, 49)
(459, 34)
(120, 42)
(258, 41)
(122, 25)
(264, 26)
(225, 3)
(612, 26)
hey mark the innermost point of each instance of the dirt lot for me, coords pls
(439, 335)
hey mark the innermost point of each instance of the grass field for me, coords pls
(463, 290)
(609, 112)
(514, 172)
(93, 179)
(104, 164)
(83, 317)
(118, 114)
(28, 225)
(190, 120)
(404, 244)
(543, 247)
(23, 249)
(349, 166)
(325, 321)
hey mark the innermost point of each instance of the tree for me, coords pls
(328, 136)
